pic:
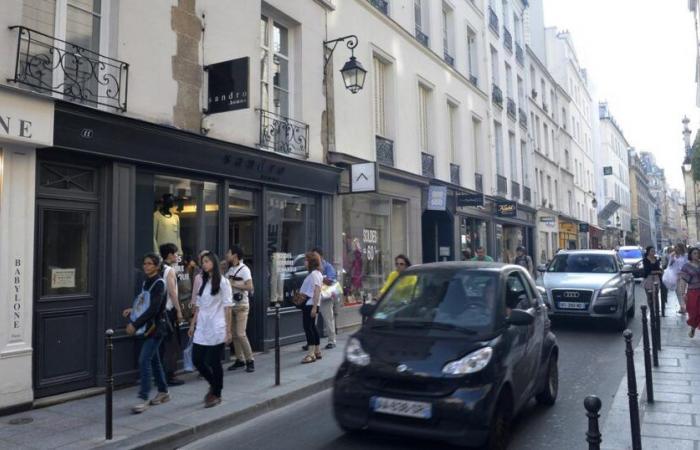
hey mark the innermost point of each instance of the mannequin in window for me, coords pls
(166, 224)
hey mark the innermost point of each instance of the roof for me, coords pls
(587, 251)
(454, 265)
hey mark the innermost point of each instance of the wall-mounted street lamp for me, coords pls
(353, 73)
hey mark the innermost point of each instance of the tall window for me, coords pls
(549, 190)
(571, 202)
(274, 67)
(379, 78)
(447, 29)
(498, 131)
(525, 163)
(420, 15)
(472, 53)
(423, 105)
(513, 157)
(476, 147)
(556, 194)
(517, 29)
(521, 92)
(452, 131)
(494, 66)
(533, 79)
(509, 81)
(546, 139)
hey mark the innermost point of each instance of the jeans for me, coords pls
(149, 361)
(241, 344)
(328, 313)
(312, 337)
(207, 360)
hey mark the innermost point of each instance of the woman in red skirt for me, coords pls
(689, 286)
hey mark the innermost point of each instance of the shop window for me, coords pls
(65, 252)
(473, 234)
(71, 178)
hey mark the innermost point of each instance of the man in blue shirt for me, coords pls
(329, 303)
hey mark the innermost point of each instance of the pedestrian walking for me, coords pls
(467, 254)
(310, 296)
(401, 263)
(689, 286)
(524, 260)
(329, 299)
(171, 347)
(676, 260)
(147, 318)
(652, 273)
(481, 255)
(210, 329)
(241, 280)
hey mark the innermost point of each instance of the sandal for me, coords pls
(308, 359)
(318, 355)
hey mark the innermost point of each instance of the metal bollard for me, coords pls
(109, 383)
(654, 317)
(657, 305)
(277, 344)
(647, 356)
(664, 299)
(364, 300)
(593, 436)
(635, 426)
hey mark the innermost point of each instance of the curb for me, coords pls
(173, 436)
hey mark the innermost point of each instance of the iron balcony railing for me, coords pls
(501, 185)
(478, 182)
(80, 75)
(454, 174)
(515, 189)
(511, 109)
(522, 117)
(519, 54)
(473, 79)
(385, 150)
(497, 95)
(284, 135)
(527, 195)
(507, 39)
(449, 59)
(493, 21)
(421, 37)
(381, 5)
(428, 165)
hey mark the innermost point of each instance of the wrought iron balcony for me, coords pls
(449, 59)
(511, 109)
(507, 39)
(522, 117)
(501, 185)
(427, 165)
(284, 135)
(478, 182)
(519, 55)
(381, 5)
(497, 95)
(454, 174)
(385, 150)
(474, 80)
(493, 21)
(527, 195)
(421, 37)
(80, 75)
(515, 190)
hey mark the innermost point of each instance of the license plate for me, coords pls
(406, 408)
(572, 305)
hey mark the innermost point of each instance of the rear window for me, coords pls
(630, 253)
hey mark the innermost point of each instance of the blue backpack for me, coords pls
(141, 304)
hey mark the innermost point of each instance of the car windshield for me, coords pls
(630, 253)
(461, 300)
(583, 263)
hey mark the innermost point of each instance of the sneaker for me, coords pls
(140, 407)
(250, 366)
(162, 397)
(206, 397)
(330, 345)
(236, 365)
(213, 400)
(691, 333)
(305, 348)
(175, 382)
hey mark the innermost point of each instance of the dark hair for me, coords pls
(215, 276)
(313, 261)
(690, 252)
(167, 250)
(521, 249)
(405, 259)
(155, 259)
(318, 250)
(648, 249)
(236, 250)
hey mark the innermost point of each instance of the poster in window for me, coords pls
(228, 85)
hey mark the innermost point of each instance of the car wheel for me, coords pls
(499, 431)
(621, 323)
(548, 396)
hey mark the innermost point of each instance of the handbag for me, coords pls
(299, 300)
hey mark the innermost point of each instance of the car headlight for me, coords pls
(472, 363)
(608, 291)
(355, 354)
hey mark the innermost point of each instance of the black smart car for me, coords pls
(451, 352)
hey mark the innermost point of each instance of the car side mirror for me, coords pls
(542, 268)
(627, 268)
(367, 309)
(520, 317)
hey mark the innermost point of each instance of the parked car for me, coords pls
(452, 352)
(633, 255)
(589, 283)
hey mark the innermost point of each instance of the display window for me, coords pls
(473, 234)
(513, 237)
(375, 230)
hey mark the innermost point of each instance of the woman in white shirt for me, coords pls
(211, 327)
(311, 289)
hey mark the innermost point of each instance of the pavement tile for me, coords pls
(681, 408)
(672, 382)
(654, 443)
(673, 398)
(671, 431)
(674, 389)
(669, 362)
(669, 418)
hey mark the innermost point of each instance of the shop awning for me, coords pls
(608, 211)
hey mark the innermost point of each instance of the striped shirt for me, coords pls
(690, 273)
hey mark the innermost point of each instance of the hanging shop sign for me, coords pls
(228, 85)
(437, 198)
(363, 177)
(506, 209)
(583, 228)
(470, 200)
(607, 170)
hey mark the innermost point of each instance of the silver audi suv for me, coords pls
(589, 283)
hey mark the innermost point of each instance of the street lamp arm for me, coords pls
(350, 42)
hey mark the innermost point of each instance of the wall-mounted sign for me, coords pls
(26, 120)
(607, 170)
(437, 198)
(16, 308)
(583, 228)
(548, 221)
(228, 85)
(506, 209)
(470, 200)
(363, 177)
(62, 278)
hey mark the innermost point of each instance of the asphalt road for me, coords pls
(591, 362)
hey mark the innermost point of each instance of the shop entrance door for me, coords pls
(65, 296)
(241, 232)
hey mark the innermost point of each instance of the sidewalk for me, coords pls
(673, 420)
(79, 424)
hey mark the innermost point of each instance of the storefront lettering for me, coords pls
(16, 127)
(370, 238)
(267, 171)
(16, 314)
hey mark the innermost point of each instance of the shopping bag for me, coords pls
(670, 278)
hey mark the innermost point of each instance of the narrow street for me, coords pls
(591, 362)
